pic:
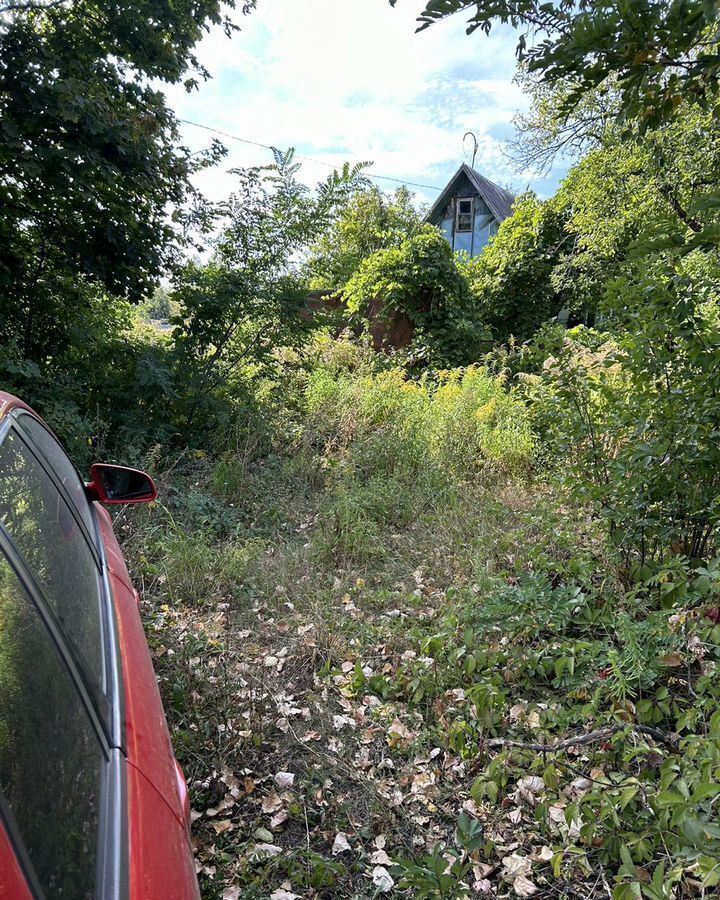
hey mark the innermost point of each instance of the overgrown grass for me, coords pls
(385, 603)
(393, 449)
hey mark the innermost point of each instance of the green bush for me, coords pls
(453, 426)
(635, 422)
(421, 278)
(511, 281)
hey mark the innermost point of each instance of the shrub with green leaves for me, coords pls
(636, 421)
(511, 281)
(371, 221)
(420, 278)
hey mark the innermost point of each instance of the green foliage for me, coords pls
(537, 658)
(419, 279)
(487, 612)
(107, 387)
(88, 159)
(624, 190)
(371, 221)
(158, 306)
(659, 54)
(235, 310)
(438, 876)
(614, 203)
(640, 417)
(394, 447)
(511, 281)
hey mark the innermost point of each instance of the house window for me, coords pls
(464, 219)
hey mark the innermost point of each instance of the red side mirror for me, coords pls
(119, 484)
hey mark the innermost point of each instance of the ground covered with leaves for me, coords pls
(380, 685)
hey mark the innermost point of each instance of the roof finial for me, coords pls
(475, 147)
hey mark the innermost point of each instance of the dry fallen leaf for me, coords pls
(340, 844)
(339, 722)
(263, 851)
(399, 733)
(556, 815)
(532, 783)
(284, 780)
(515, 865)
(399, 728)
(279, 818)
(580, 786)
(523, 887)
(272, 803)
(671, 660)
(382, 879)
(574, 830)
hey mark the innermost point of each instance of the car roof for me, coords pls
(9, 402)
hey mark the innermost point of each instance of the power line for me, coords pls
(319, 162)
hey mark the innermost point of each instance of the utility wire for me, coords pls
(319, 162)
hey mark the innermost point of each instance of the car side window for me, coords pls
(49, 538)
(61, 465)
(50, 756)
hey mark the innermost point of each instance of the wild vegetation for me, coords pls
(438, 622)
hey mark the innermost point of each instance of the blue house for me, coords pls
(470, 210)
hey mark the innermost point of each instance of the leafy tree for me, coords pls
(248, 300)
(565, 252)
(158, 306)
(605, 199)
(660, 53)
(371, 221)
(511, 281)
(654, 184)
(108, 389)
(635, 419)
(89, 163)
(421, 279)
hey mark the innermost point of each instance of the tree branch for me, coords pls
(590, 738)
(31, 6)
(692, 223)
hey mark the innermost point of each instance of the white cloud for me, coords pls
(350, 80)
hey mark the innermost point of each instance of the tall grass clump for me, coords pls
(394, 448)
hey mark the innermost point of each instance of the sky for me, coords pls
(350, 80)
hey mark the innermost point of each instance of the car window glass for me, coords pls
(61, 465)
(46, 533)
(50, 756)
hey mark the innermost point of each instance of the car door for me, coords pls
(62, 769)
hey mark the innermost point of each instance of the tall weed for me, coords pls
(394, 448)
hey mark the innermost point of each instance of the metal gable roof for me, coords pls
(498, 199)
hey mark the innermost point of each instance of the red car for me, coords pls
(92, 801)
